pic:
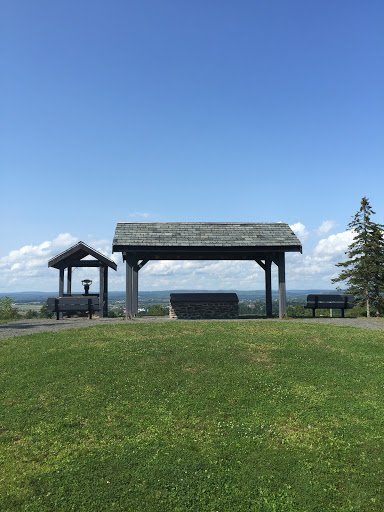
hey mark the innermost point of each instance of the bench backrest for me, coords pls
(81, 302)
(320, 299)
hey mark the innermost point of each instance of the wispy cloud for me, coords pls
(300, 231)
(325, 227)
(142, 215)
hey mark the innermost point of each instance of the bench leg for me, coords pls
(342, 313)
(313, 312)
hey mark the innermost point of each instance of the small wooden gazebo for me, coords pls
(74, 257)
(264, 243)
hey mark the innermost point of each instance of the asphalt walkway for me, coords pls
(33, 326)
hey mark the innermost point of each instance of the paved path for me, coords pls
(33, 326)
(37, 325)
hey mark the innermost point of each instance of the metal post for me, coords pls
(282, 289)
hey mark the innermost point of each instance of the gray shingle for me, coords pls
(200, 234)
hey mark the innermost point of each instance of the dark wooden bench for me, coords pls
(73, 304)
(323, 301)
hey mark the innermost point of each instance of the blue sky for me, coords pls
(254, 111)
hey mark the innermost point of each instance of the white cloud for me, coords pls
(143, 215)
(201, 275)
(316, 269)
(27, 268)
(334, 246)
(300, 231)
(24, 267)
(325, 227)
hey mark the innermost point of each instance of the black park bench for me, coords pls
(323, 301)
(74, 304)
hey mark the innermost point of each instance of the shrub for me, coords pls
(156, 310)
(31, 314)
(44, 313)
(7, 309)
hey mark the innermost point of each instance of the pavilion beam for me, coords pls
(141, 265)
(79, 263)
(282, 287)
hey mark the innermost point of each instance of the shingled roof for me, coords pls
(78, 252)
(137, 235)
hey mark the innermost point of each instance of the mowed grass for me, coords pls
(193, 416)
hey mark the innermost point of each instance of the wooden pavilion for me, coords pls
(261, 242)
(74, 257)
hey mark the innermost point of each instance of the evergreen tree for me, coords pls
(364, 270)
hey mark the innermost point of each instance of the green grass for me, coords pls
(198, 416)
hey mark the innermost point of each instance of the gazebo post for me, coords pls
(61, 288)
(61, 282)
(266, 266)
(69, 280)
(106, 290)
(135, 289)
(268, 286)
(101, 293)
(282, 289)
(129, 289)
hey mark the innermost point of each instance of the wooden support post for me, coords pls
(282, 289)
(106, 291)
(266, 266)
(61, 288)
(101, 292)
(61, 282)
(135, 290)
(268, 286)
(69, 281)
(129, 289)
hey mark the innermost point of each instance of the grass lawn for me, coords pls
(193, 416)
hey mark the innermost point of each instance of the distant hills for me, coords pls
(162, 295)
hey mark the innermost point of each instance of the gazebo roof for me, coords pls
(173, 238)
(74, 255)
